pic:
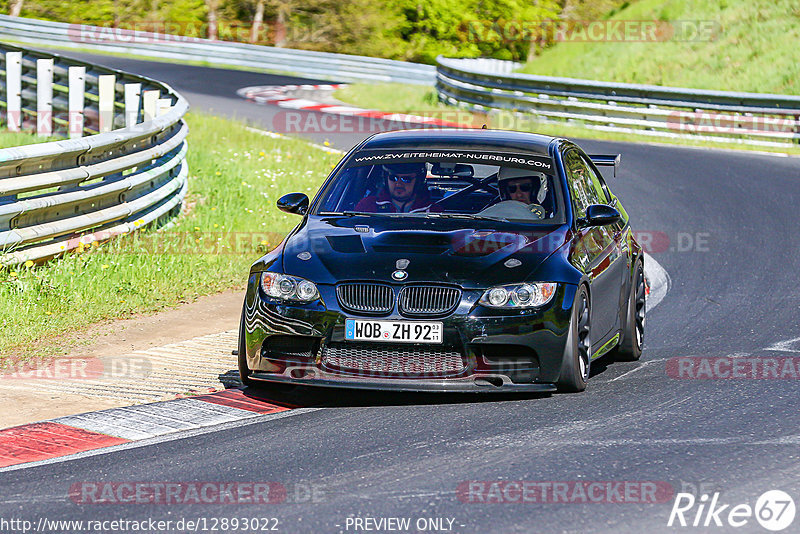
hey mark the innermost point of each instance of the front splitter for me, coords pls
(471, 384)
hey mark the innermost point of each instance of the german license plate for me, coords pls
(393, 331)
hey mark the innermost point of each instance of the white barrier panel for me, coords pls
(151, 104)
(133, 97)
(105, 103)
(77, 88)
(44, 97)
(14, 91)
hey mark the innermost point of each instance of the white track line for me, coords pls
(641, 366)
(281, 136)
(660, 282)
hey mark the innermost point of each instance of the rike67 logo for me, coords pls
(774, 510)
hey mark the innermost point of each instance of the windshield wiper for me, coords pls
(349, 213)
(345, 213)
(465, 216)
(432, 214)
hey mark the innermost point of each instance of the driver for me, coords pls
(404, 191)
(528, 187)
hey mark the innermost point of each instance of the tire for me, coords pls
(630, 347)
(576, 362)
(244, 371)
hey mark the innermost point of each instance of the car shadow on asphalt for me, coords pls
(301, 396)
(327, 397)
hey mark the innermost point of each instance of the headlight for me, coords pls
(285, 287)
(529, 295)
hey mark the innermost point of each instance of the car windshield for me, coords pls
(434, 187)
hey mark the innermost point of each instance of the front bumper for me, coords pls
(474, 384)
(500, 351)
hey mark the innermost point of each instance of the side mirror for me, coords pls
(600, 215)
(296, 203)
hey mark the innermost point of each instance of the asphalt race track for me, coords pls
(723, 225)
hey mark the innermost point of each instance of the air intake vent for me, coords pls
(429, 300)
(370, 299)
(390, 360)
(347, 244)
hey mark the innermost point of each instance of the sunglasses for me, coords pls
(525, 188)
(405, 178)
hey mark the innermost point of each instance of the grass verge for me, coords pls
(11, 139)
(236, 176)
(402, 98)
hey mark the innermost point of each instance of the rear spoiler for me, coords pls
(606, 160)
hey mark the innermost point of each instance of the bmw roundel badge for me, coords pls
(399, 275)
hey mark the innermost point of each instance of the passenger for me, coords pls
(528, 187)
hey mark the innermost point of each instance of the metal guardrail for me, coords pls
(62, 195)
(750, 118)
(329, 66)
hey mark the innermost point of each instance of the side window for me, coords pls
(597, 184)
(579, 177)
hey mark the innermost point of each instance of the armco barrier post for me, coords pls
(133, 97)
(14, 91)
(163, 106)
(77, 88)
(44, 97)
(105, 105)
(151, 104)
(797, 127)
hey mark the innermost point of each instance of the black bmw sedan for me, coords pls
(448, 260)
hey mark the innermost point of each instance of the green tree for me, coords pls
(503, 29)
(412, 30)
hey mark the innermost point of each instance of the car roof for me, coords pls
(479, 139)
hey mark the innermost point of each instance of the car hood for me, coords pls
(470, 253)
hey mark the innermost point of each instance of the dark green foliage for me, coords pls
(413, 30)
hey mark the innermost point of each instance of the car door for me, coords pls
(619, 230)
(597, 251)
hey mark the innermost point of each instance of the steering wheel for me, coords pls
(537, 210)
(475, 185)
(514, 209)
